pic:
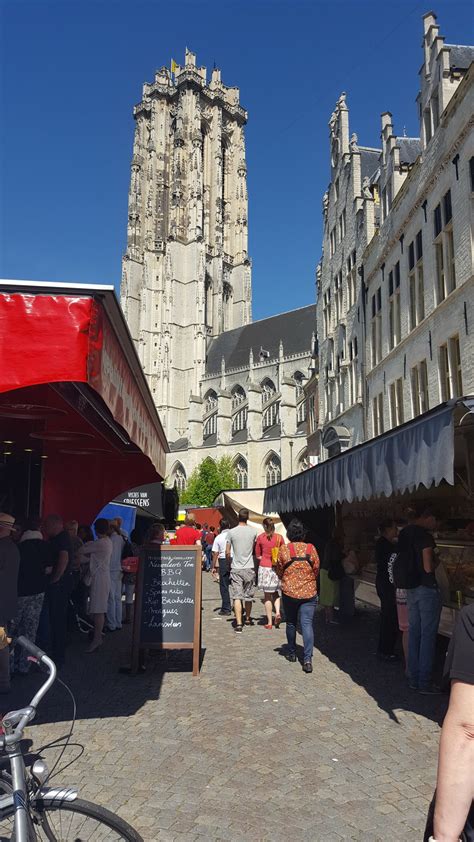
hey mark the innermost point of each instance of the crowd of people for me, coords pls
(53, 573)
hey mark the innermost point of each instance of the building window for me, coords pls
(394, 313)
(338, 296)
(179, 475)
(303, 461)
(239, 420)
(416, 286)
(419, 389)
(450, 374)
(327, 312)
(377, 414)
(268, 390)
(444, 248)
(376, 327)
(396, 403)
(353, 391)
(351, 280)
(271, 415)
(336, 189)
(333, 242)
(210, 414)
(272, 470)
(241, 473)
(300, 397)
(427, 122)
(342, 225)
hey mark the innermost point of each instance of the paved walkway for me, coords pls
(253, 749)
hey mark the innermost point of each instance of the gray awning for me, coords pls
(420, 452)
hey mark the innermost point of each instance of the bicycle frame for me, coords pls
(14, 724)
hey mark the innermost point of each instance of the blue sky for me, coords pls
(72, 70)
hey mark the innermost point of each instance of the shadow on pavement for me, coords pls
(99, 687)
(352, 645)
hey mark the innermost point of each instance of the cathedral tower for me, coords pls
(186, 274)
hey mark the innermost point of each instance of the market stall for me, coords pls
(77, 420)
(429, 460)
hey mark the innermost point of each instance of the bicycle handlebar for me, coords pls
(31, 648)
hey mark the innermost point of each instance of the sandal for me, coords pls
(238, 629)
(277, 621)
(248, 622)
(268, 626)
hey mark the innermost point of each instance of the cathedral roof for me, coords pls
(369, 161)
(410, 148)
(460, 57)
(294, 329)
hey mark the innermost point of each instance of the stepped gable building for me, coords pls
(395, 282)
(222, 385)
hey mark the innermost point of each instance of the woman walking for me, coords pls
(266, 552)
(297, 567)
(99, 553)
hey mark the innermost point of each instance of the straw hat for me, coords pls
(7, 521)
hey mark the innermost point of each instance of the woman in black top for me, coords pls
(35, 565)
(385, 553)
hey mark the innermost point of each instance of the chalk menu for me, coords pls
(168, 595)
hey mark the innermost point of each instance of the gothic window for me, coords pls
(269, 390)
(179, 476)
(271, 415)
(303, 461)
(300, 398)
(239, 412)
(210, 414)
(241, 473)
(272, 470)
(208, 302)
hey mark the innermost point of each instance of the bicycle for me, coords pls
(31, 811)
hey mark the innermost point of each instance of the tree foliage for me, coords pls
(207, 480)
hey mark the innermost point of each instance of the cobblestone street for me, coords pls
(253, 748)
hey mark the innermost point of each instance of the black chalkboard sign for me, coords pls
(168, 601)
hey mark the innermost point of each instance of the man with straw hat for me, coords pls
(9, 564)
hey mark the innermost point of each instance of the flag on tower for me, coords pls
(174, 66)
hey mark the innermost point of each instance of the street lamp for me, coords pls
(291, 458)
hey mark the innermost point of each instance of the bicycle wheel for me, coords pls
(80, 821)
(7, 830)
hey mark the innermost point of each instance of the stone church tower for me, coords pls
(186, 273)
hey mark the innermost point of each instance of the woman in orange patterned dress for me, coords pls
(297, 568)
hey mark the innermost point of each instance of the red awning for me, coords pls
(69, 367)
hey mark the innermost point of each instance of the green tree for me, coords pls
(207, 480)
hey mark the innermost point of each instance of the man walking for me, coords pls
(114, 604)
(221, 564)
(416, 547)
(9, 564)
(240, 546)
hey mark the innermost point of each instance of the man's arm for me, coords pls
(215, 560)
(228, 550)
(428, 560)
(455, 784)
(61, 565)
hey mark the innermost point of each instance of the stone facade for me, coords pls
(186, 272)
(406, 294)
(222, 385)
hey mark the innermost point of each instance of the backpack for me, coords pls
(405, 569)
(293, 558)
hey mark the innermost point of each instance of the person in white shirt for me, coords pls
(114, 605)
(222, 565)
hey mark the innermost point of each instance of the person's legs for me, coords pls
(248, 609)
(268, 603)
(29, 615)
(291, 613)
(405, 640)
(414, 627)
(224, 580)
(430, 610)
(238, 611)
(388, 628)
(58, 605)
(306, 617)
(276, 604)
(98, 628)
(114, 604)
(118, 599)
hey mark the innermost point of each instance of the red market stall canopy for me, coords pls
(73, 395)
(426, 451)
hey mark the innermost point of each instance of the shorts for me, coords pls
(402, 609)
(242, 584)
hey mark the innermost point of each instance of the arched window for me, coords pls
(238, 396)
(272, 469)
(271, 415)
(210, 414)
(303, 461)
(241, 473)
(179, 477)
(239, 411)
(298, 377)
(299, 380)
(269, 390)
